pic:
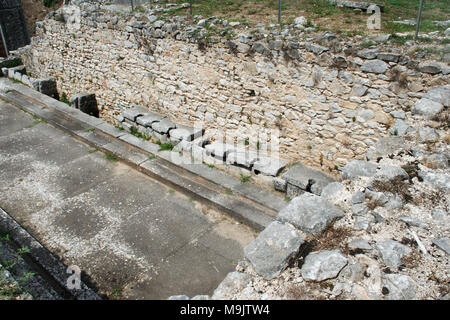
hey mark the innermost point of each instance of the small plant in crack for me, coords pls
(110, 157)
(167, 146)
(245, 178)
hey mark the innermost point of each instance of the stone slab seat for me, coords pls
(134, 112)
(302, 177)
(148, 118)
(269, 166)
(163, 126)
(186, 133)
(219, 149)
(242, 157)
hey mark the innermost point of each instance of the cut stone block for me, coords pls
(244, 158)
(134, 112)
(186, 133)
(219, 149)
(148, 118)
(306, 178)
(268, 166)
(323, 265)
(163, 126)
(270, 252)
(310, 213)
(86, 102)
(46, 86)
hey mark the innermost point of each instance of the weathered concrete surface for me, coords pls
(126, 231)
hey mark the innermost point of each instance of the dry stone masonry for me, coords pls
(329, 102)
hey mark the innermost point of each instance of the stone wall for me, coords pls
(13, 24)
(328, 107)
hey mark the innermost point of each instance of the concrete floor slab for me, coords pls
(13, 119)
(183, 273)
(126, 231)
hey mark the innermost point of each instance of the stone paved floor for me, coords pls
(130, 235)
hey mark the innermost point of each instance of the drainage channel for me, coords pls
(36, 269)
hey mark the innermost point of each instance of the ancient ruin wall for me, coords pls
(12, 22)
(321, 120)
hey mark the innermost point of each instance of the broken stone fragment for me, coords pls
(367, 53)
(331, 190)
(443, 244)
(427, 108)
(399, 287)
(438, 180)
(233, 283)
(427, 135)
(385, 147)
(431, 67)
(310, 213)
(307, 179)
(360, 244)
(357, 168)
(392, 252)
(390, 173)
(440, 94)
(413, 222)
(270, 252)
(323, 265)
(388, 56)
(375, 66)
(279, 184)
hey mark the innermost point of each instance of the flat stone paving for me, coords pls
(129, 233)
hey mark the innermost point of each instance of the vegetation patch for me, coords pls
(110, 157)
(164, 146)
(10, 289)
